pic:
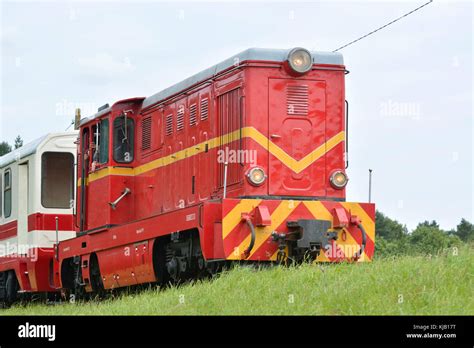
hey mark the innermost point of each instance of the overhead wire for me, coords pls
(382, 27)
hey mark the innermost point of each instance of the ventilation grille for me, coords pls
(204, 109)
(180, 119)
(169, 124)
(297, 99)
(146, 133)
(193, 115)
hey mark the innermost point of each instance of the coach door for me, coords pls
(297, 125)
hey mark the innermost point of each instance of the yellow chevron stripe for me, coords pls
(234, 217)
(247, 132)
(322, 258)
(279, 215)
(274, 256)
(348, 245)
(290, 162)
(367, 222)
(319, 211)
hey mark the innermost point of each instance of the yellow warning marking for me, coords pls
(234, 217)
(279, 215)
(247, 132)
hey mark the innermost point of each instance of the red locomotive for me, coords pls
(244, 161)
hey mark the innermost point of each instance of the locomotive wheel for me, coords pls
(96, 278)
(11, 288)
(213, 268)
(78, 291)
(159, 262)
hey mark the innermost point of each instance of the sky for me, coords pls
(409, 87)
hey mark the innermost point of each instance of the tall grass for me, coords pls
(415, 285)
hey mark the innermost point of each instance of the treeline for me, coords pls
(393, 238)
(6, 147)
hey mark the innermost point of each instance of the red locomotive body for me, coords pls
(243, 161)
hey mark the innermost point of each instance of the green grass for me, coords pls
(410, 285)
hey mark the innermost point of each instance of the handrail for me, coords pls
(346, 157)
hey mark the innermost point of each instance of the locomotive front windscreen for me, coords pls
(57, 180)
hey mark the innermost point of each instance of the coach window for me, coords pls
(123, 139)
(57, 180)
(7, 193)
(101, 142)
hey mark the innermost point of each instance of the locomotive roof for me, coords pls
(264, 54)
(28, 149)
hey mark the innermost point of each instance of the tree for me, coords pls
(465, 231)
(386, 248)
(426, 223)
(389, 229)
(18, 142)
(429, 238)
(5, 148)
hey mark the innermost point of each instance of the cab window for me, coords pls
(101, 142)
(123, 139)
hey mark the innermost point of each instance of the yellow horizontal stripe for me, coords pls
(102, 173)
(247, 132)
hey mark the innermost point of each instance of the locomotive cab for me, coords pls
(106, 154)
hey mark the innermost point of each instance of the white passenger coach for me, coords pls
(37, 183)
